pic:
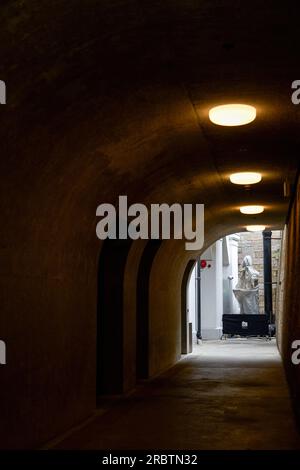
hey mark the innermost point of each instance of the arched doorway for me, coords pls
(142, 306)
(110, 325)
(185, 329)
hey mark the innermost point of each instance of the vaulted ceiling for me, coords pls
(112, 97)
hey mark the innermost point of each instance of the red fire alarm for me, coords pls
(203, 264)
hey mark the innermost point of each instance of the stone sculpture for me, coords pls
(246, 290)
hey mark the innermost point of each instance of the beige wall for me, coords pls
(281, 291)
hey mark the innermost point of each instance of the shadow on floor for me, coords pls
(226, 395)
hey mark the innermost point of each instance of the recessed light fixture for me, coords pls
(255, 228)
(252, 209)
(232, 114)
(245, 177)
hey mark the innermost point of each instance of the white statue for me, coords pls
(246, 290)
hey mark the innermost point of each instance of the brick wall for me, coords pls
(252, 244)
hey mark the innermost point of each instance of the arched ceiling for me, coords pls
(111, 97)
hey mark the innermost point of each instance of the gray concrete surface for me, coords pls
(226, 395)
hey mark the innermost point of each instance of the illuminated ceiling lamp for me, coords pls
(255, 228)
(245, 178)
(252, 209)
(232, 114)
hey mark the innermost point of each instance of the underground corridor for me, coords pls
(153, 332)
(231, 385)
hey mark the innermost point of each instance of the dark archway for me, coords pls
(110, 325)
(184, 311)
(142, 306)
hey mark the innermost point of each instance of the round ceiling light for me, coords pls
(255, 228)
(252, 209)
(246, 177)
(232, 114)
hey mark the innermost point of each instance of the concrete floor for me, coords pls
(226, 395)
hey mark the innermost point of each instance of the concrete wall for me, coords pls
(165, 310)
(290, 316)
(230, 273)
(280, 293)
(212, 293)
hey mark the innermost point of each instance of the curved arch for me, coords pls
(184, 311)
(142, 302)
(130, 313)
